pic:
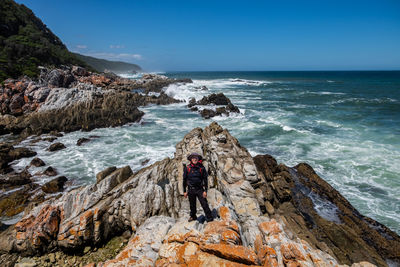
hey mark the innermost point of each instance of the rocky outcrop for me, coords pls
(101, 112)
(56, 146)
(148, 83)
(319, 214)
(9, 153)
(69, 99)
(150, 203)
(225, 106)
(55, 185)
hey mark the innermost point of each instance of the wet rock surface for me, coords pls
(224, 106)
(264, 215)
(82, 141)
(339, 229)
(55, 185)
(9, 153)
(37, 162)
(56, 146)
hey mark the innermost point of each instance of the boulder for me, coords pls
(16, 104)
(216, 99)
(55, 185)
(15, 202)
(9, 153)
(21, 152)
(82, 140)
(192, 102)
(56, 146)
(79, 71)
(207, 113)
(15, 179)
(101, 175)
(50, 171)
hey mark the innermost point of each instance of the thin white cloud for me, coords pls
(81, 46)
(116, 46)
(114, 56)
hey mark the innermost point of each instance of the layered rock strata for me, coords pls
(70, 99)
(247, 230)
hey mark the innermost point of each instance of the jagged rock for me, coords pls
(346, 234)
(207, 113)
(150, 202)
(56, 146)
(17, 101)
(55, 185)
(37, 162)
(21, 152)
(9, 153)
(14, 179)
(144, 162)
(58, 78)
(214, 99)
(79, 71)
(82, 140)
(101, 175)
(232, 108)
(100, 112)
(15, 202)
(192, 102)
(50, 171)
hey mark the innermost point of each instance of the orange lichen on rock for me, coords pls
(292, 252)
(224, 213)
(42, 228)
(270, 227)
(266, 255)
(231, 252)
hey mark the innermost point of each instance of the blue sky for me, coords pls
(230, 35)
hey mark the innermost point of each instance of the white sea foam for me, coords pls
(131, 75)
(363, 169)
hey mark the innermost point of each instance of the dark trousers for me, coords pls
(192, 194)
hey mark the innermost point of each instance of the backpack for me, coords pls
(201, 169)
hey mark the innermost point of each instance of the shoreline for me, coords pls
(276, 203)
(275, 209)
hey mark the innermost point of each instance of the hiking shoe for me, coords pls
(192, 219)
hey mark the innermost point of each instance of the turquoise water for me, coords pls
(344, 124)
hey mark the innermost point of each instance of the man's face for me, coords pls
(194, 160)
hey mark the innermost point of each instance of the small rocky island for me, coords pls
(264, 213)
(220, 103)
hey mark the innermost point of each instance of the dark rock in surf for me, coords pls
(37, 162)
(55, 185)
(82, 140)
(56, 146)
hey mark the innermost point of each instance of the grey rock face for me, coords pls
(150, 203)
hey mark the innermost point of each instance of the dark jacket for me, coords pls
(197, 177)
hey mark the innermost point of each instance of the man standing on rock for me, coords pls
(195, 178)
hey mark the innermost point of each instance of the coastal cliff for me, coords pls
(267, 214)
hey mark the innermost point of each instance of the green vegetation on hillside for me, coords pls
(26, 43)
(103, 65)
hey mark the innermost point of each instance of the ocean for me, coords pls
(346, 125)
